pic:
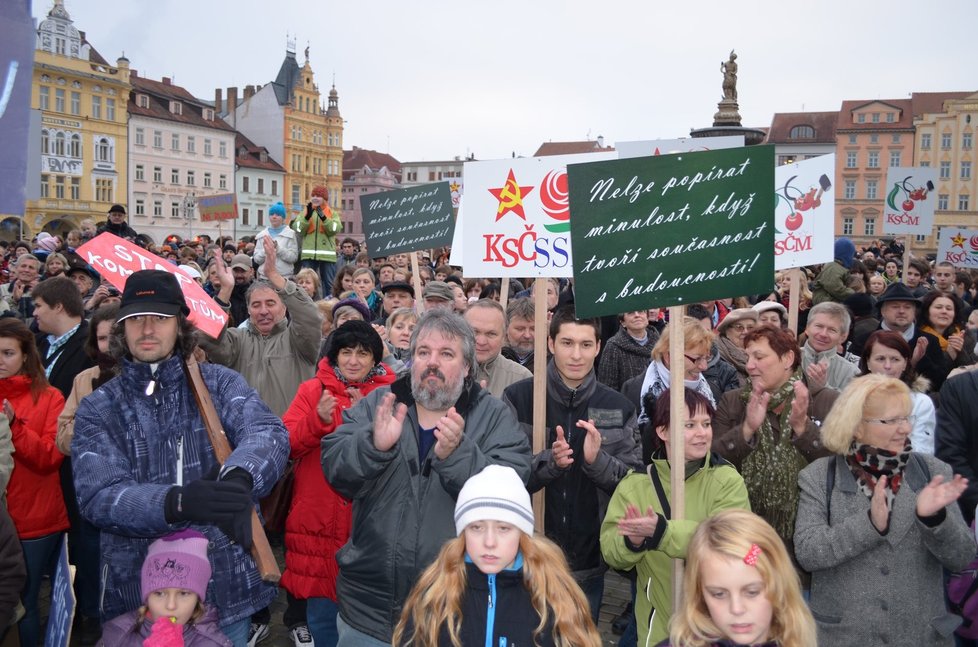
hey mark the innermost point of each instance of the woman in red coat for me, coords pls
(319, 519)
(34, 497)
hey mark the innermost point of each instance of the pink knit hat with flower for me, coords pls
(177, 561)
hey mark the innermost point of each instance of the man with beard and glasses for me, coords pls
(402, 456)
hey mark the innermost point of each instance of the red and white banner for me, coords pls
(115, 259)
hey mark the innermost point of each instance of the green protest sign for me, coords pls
(671, 230)
(406, 220)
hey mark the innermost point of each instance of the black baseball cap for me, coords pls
(152, 292)
(117, 208)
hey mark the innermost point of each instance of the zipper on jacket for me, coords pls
(491, 610)
(180, 460)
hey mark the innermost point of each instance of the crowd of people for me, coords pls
(829, 470)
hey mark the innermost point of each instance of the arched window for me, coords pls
(45, 142)
(802, 132)
(102, 150)
(74, 148)
(59, 144)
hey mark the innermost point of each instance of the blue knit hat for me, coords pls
(277, 209)
(845, 252)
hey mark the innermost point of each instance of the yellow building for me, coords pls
(945, 140)
(83, 138)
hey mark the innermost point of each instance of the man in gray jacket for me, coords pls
(273, 354)
(402, 456)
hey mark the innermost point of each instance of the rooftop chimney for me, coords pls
(166, 80)
(248, 92)
(217, 100)
(232, 100)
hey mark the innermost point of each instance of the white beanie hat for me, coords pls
(495, 494)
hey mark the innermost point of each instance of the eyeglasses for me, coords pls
(702, 359)
(741, 327)
(893, 422)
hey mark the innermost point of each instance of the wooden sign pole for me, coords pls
(416, 280)
(906, 259)
(503, 292)
(540, 392)
(677, 437)
(794, 298)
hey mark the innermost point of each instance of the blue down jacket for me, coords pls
(130, 448)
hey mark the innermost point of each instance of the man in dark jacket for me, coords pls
(145, 466)
(402, 456)
(592, 442)
(117, 224)
(955, 441)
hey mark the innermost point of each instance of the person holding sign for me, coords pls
(770, 429)
(592, 440)
(318, 228)
(638, 531)
(145, 466)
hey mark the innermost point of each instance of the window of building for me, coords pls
(208, 114)
(75, 188)
(140, 172)
(295, 194)
(222, 149)
(45, 141)
(191, 180)
(849, 192)
(873, 160)
(966, 141)
(74, 146)
(261, 218)
(850, 161)
(157, 208)
(76, 103)
(874, 138)
(890, 117)
(59, 144)
(59, 187)
(924, 164)
(946, 141)
(191, 144)
(261, 186)
(142, 100)
(174, 209)
(176, 107)
(412, 176)
(876, 117)
(110, 109)
(965, 170)
(431, 176)
(801, 132)
(861, 117)
(45, 189)
(962, 202)
(103, 150)
(140, 208)
(274, 187)
(157, 139)
(59, 100)
(894, 158)
(943, 200)
(157, 174)
(174, 142)
(96, 107)
(869, 227)
(140, 137)
(871, 189)
(922, 238)
(245, 184)
(207, 180)
(103, 190)
(925, 141)
(175, 176)
(945, 172)
(896, 138)
(222, 181)
(852, 139)
(207, 147)
(244, 216)
(44, 97)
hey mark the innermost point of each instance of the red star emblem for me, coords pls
(510, 197)
(957, 241)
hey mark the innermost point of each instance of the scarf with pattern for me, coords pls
(378, 369)
(869, 463)
(771, 471)
(657, 381)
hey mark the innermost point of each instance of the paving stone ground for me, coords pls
(616, 593)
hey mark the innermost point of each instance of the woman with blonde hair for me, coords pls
(877, 509)
(740, 588)
(496, 583)
(308, 280)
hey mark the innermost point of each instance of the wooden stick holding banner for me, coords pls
(906, 259)
(416, 280)
(503, 292)
(539, 392)
(677, 437)
(794, 298)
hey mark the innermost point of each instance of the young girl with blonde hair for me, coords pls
(740, 588)
(496, 583)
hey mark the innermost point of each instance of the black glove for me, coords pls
(308, 210)
(238, 528)
(206, 501)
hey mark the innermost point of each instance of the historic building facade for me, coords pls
(83, 136)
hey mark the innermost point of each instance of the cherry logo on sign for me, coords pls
(554, 198)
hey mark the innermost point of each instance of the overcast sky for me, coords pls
(428, 80)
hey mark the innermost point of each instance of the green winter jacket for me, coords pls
(831, 284)
(318, 228)
(713, 487)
